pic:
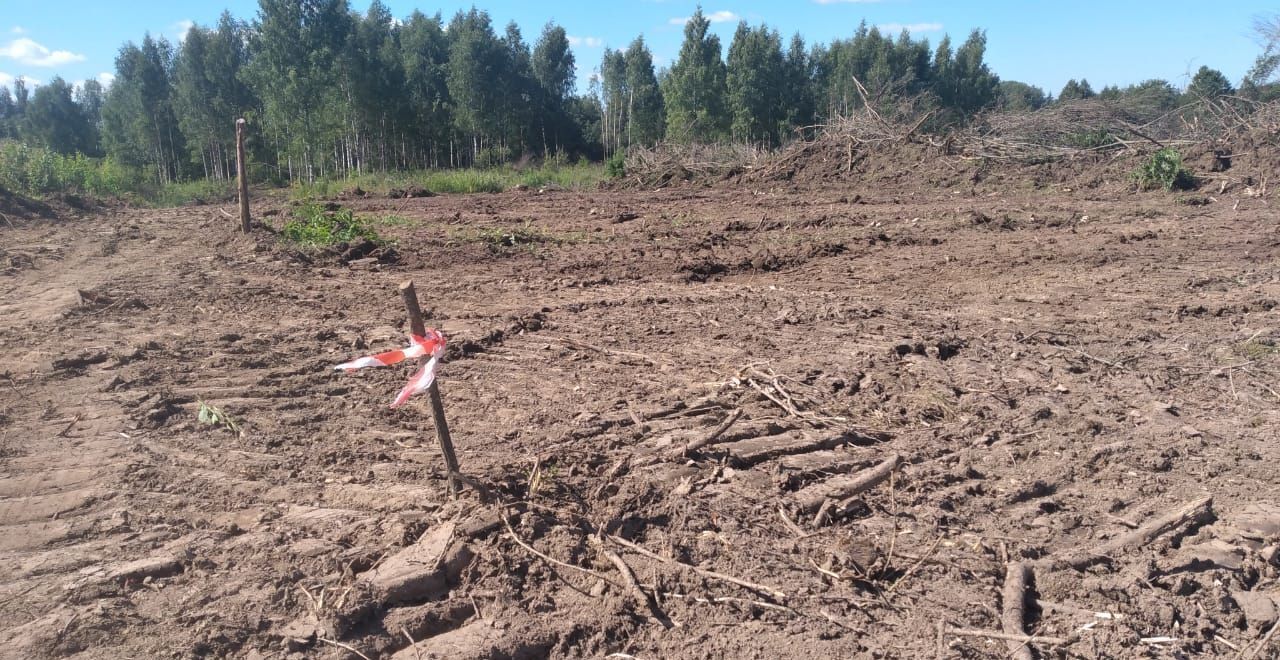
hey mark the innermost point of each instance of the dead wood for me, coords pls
(710, 438)
(1021, 640)
(1194, 512)
(642, 598)
(811, 498)
(1017, 575)
(758, 588)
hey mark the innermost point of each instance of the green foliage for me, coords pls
(1258, 348)
(1209, 84)
(1163, 169)
(755, 82)
(213, 416)
(616, 167)
(1020, 97)
(694, 89)
(579, 176)
(313, 226)
(526, 236)
(1091, 139)
(1076, 91)
(56, 121)
(138, 124)
(182, 193)
(37, 171)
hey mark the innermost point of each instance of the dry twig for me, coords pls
(758, 588)
(343, 646)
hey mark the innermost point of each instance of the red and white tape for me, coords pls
(431, 343)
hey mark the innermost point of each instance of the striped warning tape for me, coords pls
(431, 343)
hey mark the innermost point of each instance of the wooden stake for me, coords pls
(241, 176)
(437, 405)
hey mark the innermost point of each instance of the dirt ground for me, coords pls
(1050, 372)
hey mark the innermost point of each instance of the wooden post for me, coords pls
(242, 177)
(437, 405)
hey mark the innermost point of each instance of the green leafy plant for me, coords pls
(313, 225)
(616, 167)
(1163, 169)
(213, 416)
(502, 239)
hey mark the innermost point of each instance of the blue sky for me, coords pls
(1042, 42)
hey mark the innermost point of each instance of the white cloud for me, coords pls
(894, 28)
(182, 27)
(29, 52)
(106, 78)
(18, 29)
(7, 80)
(722, 16)
(589, 42)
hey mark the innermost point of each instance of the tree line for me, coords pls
(332, 92)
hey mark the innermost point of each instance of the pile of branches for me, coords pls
(1092, 126)
(1062, 130)
(1231, 117)
(669, 162)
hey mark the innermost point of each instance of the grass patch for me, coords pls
(580, 176)
(1258, 348)
(315, 226)
(526, 236)
(201, 191)
(392, 220)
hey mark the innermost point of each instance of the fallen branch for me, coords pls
(1266, 640)
(552, 560)
(714, 435)
(1014, 615)
(1186, 515)
(1020, 639)
(758, 588)
(641, 597)
(716, 600)
(343, 646)
(812, 497)
(914, 566)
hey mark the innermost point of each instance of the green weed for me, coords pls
(503, 239)
(579, 176)
(392, 220)
(616, 168)
(313, 226)
(216, 417)
(1164, 169)
(1258, 348)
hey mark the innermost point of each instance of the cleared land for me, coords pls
(1054, 368)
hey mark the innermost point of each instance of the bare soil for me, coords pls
(1054, 366)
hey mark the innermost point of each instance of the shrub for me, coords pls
(1164, 169)
(314, 226)
(616, 167)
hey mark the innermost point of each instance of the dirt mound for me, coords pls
(20, 207)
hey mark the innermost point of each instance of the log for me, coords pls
(1014, 611)
(1193, 512)
(810, 499)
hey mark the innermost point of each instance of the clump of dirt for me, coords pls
(15, 207)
